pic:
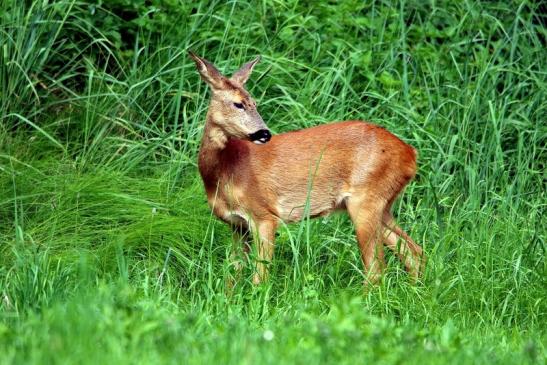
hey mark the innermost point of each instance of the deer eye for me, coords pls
(239, 105)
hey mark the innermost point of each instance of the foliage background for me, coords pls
(109, 253)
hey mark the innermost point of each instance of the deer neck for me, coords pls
(213, 144)
(221, 157)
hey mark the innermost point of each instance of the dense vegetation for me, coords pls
(110, 254)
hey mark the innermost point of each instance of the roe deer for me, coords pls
(351, 165)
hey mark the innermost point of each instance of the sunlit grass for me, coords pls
(110, 254)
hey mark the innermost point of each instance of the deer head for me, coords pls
(232, 109)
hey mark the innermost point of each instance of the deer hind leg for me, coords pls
(264, 236)
(408, 251)
(366, 214)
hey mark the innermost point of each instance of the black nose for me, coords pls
(262, 136)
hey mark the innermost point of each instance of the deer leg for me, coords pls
(366, 214)
(408, 251)
(264, 236)
(240, 251)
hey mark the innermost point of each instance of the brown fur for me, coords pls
(351, 165)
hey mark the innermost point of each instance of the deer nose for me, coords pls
(260, 137)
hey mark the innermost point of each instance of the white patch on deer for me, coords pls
(341, 201)
(236, 217)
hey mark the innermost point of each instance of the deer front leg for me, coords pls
(240, 251)
(264, 236)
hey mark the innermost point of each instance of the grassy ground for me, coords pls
(110, 254)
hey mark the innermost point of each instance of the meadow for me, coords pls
(109, 252)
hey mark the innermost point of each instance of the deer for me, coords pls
(255, 181)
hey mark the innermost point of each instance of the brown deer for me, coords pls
(255, 180)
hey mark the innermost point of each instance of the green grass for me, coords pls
(110, 254)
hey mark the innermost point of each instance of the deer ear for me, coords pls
(242, 75)
(208, 72)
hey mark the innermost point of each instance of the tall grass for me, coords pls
(109, 253)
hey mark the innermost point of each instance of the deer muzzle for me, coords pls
(260, 137)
